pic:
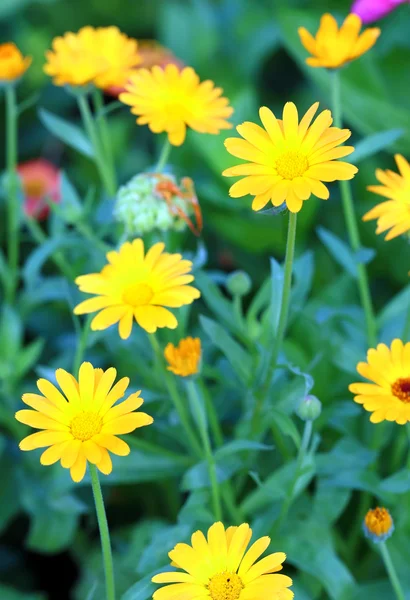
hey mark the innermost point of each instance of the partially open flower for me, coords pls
(41, 182)
(12, 63)
(378, 525)
(184, 360)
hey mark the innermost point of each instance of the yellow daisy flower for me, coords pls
(393, 214)
(171, 100)
(12, 63)
(288, 160)
(388, 396)
(333, 47)
(135, 285)
(184, 359)
(81, 423)
(219, 568)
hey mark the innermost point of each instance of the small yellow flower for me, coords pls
(81, 422)
(171, 100)
(218, 567)
(378, 524)
(12, 63)
(184, 359)
(388, 396)
(288, 160)
(393, 214)
(139, 286)
(333, 47)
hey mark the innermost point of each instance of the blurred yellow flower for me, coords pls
(218, 567)
(288, 159)
(171, 100)
(378, 524)
(333, 47)
(388, 396)
(12, 63)
(184, 359)
(134, 285)
(80, 423)
(393, 214)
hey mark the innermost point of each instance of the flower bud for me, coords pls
(378, 525)
(239, 283)
(309, 409)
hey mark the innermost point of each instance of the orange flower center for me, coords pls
(85, 425)
(225, 586)
(291, 164)
(401, 389)
(138, 294)
(35, 188)
(378, 521)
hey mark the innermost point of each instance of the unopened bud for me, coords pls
(309, 409)
(239, 283)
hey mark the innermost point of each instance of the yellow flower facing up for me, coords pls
(393, 214)
(333, 47)
(378, 524)
(219, 567)
(184, 360)
(168, 99)
(288, 160)
(81, 422)
(12, 63)
(388, 396)
(139, 286)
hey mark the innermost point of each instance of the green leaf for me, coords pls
(52, 531)
(11, 333)
(340, 251)
(285, 424)
(28, 356)
(70, 134)
(8, 593)
(374, 143)
(239, 446)
(142, 590)
(35, 262)
(276, 292)
(70, 207)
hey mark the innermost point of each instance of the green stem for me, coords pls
(164, 156)
(82, 345)
(104, 133)
(90, 128)
(351, 224)
(200, 417)
(406, 330)
(391, 571)
(13, 243)
(57, 256)
(88, 233)
(104, 533)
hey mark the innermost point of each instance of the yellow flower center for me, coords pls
(291, 164)
(35, 187)
(225, 586)
(138, 294)
(401, 389)
(85, 425)
(378, 521)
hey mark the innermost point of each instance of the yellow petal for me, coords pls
(41, 439)
(77, 471)
(107, 317)
(127, 423)
(128, 406)
(105, 464)
(112, 443)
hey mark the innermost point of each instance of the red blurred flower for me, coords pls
(40, 181)
(372, 10)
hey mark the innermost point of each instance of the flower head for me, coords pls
(81, 422)
(184, 360)
(152, 53)
(388, 396)
(12, 63)
(218, 567)
(139, 286)
(41, 181)
(171, 100)
(378, 525)
(288, 160)
(372, 10)
(333, 47)
(393, 214)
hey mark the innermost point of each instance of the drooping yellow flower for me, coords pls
(393, 214)
(388, 396)
(219, 568)
(12, 63)
(135, 285)
(81, 422)
(72, 60)
(288, 160)
(378, 524)
(333, 47)
(171, 100)
(184, 359)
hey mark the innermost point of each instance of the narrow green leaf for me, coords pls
(68, 133)
(374, 143)
(339, 250)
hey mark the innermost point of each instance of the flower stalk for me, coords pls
(164, 156)
(391, 571)
(104, 134)
(13, 242)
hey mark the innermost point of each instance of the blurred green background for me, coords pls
(252, 50)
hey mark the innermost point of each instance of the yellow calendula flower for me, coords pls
(388, 396)
(378, 524)
(139, 286)
(12, 63)
(288, 160)
(184, 360)
(81, 422)
(219, 567)
(333, 47)
(168, 99)
(393, 214)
